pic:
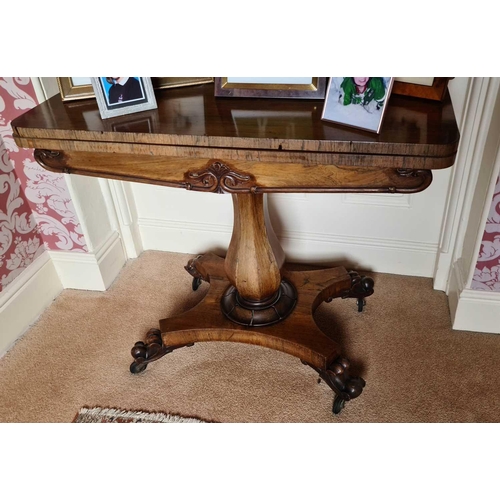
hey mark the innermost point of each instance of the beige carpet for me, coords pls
(416, 367)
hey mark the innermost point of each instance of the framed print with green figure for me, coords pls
(357, 101)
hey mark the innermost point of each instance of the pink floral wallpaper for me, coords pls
(36, 210)
(487, 273)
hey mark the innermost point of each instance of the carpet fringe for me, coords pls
(95, 415)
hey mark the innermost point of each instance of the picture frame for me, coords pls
(74, 88)
(413, 88)
(123, 95)
(358, 102)
(271, 87)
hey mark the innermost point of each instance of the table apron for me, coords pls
(220, 176)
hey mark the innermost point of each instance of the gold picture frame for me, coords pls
(73, 88)
(272, 87)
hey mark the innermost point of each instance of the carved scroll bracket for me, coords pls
(217, 177)
(424, 176)
(52, 160)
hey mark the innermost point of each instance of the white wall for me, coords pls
(387, 233)
(478, 168)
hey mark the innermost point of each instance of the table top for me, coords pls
(273, 142)
(192, 116)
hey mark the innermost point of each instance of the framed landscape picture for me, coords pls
(122, 95)
(358, 102)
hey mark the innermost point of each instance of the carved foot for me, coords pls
(150, 350)
(191, 269)
(339, 380)
(361, 287)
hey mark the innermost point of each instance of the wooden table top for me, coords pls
(260, 145)
(192, 116)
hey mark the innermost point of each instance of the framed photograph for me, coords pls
(123, 95)
(75, 87)
(433, 88)
(308, 87)
(357, 101)
(80, 87)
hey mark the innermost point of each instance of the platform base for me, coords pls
(296, 333)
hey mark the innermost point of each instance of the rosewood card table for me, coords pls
(250, 147)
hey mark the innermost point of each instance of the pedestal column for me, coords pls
(251, 265)
(257, 295)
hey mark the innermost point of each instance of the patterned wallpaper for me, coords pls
(36, 210)
(487, 273)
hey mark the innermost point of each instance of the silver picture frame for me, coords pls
(123, 95)
(358, 102)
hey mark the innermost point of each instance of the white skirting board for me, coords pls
(36, 287)
(478, 311)
(365, 254)
(472, 310)
(90, 271)
(22, 302)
